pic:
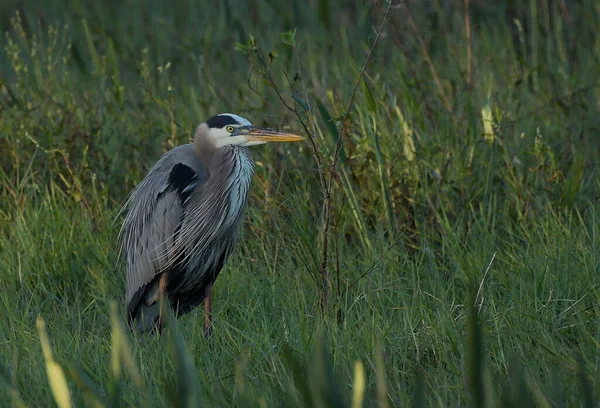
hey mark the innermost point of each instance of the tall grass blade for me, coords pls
(56, 375)
(419, 399)
(368, 96)
(385, 185)
(324, 388)
(477, 377)
(382, 392)
(299, 374)
(587, 389)
(347, 183)
(91, 393)
(10, 390)
(517, 391)
(187, 394)
(122, 356)
(574, 178)
(96, 65)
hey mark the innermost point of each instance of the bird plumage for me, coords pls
(184, 217)
(190, 236)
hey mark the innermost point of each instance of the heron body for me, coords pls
(184, 219)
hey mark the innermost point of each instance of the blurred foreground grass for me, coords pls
(464, 260)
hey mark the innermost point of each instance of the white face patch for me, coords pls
(219, 133)
(229, 140)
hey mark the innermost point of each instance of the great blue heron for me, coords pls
(184, 218)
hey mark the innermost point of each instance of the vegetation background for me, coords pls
(434, 242)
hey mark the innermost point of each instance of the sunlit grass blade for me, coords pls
(56, 375)
(488, 122)
(358, 388)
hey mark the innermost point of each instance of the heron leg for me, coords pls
(159, 325)
(162, 298)
(208, 309)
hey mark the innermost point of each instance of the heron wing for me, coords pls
(156, 211)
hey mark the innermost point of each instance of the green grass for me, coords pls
(463, 250)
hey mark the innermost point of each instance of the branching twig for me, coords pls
(350, 104)
(315, 149)
(332, 170)
(326, 182)
(163, 109)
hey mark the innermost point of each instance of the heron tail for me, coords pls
(144, 315)
(147, 318)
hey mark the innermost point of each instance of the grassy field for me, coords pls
(434, 241)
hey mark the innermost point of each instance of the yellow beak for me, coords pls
(255, 134)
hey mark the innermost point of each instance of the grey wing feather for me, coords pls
(155, 213)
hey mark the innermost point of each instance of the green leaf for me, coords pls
(368, 96)
(333, 130)
(301, 102)
(288, 38)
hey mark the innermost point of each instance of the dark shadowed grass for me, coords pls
(463, 258)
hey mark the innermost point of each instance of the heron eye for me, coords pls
(230, 129)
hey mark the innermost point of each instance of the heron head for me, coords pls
(230, 129)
